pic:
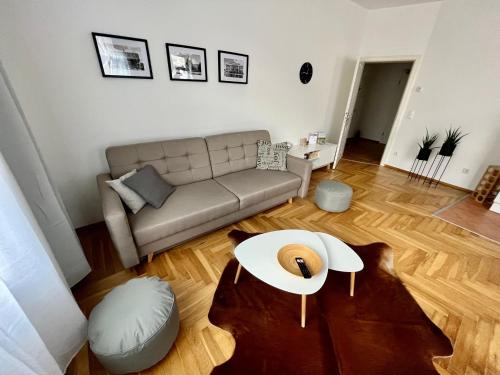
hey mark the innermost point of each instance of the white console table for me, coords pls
(326, 153)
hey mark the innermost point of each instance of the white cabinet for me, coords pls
(326, 153)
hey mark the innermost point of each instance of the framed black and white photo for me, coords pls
(186, 63)
(123, 57)
(233, 67)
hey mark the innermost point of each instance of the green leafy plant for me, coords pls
(428, 140)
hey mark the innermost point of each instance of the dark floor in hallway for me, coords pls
(364, 150)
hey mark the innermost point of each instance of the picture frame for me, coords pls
(186, 63)
(123, 56)
(312, 139)
(233, 67)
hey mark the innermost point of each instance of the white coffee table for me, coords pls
(341, 257)
(258, 255)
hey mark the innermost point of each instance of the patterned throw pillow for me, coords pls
(272, 157)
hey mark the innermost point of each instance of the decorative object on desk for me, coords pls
(303, 141)
(321, 138)
(424, 152)
(186, 63)
(489, 186)
(306, 72)
(272, 157)
(311, 155)
(122, 56)
(233, 67)
(453, 138)
(287, 254)
(312, 139)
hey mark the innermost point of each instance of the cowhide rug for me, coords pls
(381, 330)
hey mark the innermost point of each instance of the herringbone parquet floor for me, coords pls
(453, 274)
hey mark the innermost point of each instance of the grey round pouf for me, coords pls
(333, 196)
(134, 326)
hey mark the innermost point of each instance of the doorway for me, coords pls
(379, 93)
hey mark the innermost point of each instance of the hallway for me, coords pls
(363, 150)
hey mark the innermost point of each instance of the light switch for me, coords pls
(410, 115)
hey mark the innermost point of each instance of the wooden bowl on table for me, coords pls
(288, 253)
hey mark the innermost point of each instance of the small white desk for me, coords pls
(326, 153)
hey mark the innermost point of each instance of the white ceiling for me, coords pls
(377, 4)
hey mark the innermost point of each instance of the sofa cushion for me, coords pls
(188, 206)
(133, 200)
(272, 157)
(234, 152)
(178, 161)
(252, 186)
(150, 186)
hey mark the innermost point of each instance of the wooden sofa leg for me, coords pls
(290, 200)
(150, 257)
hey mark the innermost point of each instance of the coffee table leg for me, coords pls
(303, 312)
(237, 273)
(351, 291)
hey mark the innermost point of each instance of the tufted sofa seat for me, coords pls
(216, 184)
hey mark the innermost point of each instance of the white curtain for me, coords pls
(19, 150)
(41, 326)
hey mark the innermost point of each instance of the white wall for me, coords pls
(399, 31)
(75, 113)
(48, 53)
(380, 92)
(460, 77)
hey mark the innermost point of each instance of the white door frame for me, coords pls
(416, 60)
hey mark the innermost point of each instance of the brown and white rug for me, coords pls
(381, 330)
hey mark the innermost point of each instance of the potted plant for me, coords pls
(453, 138)
(426, 145)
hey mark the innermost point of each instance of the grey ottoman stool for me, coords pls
(134, 326)
(333, 196)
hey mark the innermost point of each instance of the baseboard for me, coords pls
(433, 180)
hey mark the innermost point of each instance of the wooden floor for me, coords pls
(473, 216)
(363, 150)
(452, 273)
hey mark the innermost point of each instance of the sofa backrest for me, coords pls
(178, 161)
(233, 152)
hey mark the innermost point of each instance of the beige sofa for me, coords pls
(216, 184)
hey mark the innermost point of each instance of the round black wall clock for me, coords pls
(306, 73)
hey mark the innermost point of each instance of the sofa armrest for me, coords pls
(117, 222)
(301, 168)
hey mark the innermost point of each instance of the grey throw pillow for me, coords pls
(150, 186)
(272, 157)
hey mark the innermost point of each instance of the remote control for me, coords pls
(303, 268)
